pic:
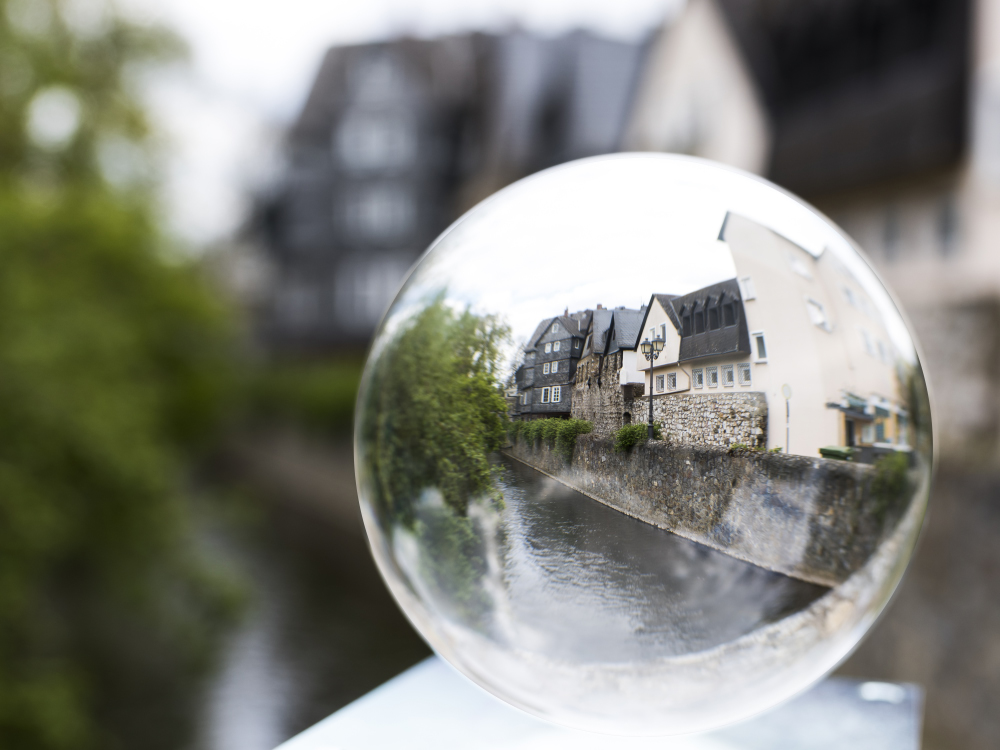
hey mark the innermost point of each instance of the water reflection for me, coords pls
(584, 582)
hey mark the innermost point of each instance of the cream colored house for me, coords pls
(901, 148)
(796, 328)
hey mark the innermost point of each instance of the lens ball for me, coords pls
(643, 445)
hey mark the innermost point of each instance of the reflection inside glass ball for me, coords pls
(643, 445)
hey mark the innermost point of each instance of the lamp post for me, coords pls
(651, 350)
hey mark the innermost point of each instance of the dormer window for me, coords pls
(699, 321)
(713, 319)
(686, 325)
(728, 314)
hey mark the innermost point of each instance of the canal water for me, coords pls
(581, 581)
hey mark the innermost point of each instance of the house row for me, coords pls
(789, 354)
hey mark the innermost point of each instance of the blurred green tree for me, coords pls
(114, 370)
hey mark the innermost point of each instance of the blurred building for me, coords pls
(396, 139)
(886, 116)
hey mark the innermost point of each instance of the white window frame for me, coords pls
(698, 377)
(660, 383)
(728, 376)
(576, 343)
(555, 367)
(671, 381)
(556, 345)
(545, 368)
(709, 372)
(817, 314)
(555, 328)
(754, 349)
(548, 348)
(663, 331)
(747, 289)
(741, 369)
(545, 394)
(556, 394)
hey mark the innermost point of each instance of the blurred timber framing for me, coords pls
(886, 116)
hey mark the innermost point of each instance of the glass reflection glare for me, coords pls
(643, 445)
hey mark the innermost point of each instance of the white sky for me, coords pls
(253, 61)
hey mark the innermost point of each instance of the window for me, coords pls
(555, 367)
(672, 381)
(556, 394)
(851, 299)
(546, 392)
(747, 288)
(729, 314)
(545, 368)
(713, 319)
(712, 376)
(817, 314)
(523, 399)
(380, 212)
(883, 353)
(555, 345)
(555, 328)
(727, 376)
(686, 325)
(868, 342)
(698, 376)
(659, 382)
(699, 321)
(576, 343)
(799, 266)
(548, 348)
(743, 369)
(663, 331)
(758, 346)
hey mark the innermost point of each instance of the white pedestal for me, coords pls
(433, 707)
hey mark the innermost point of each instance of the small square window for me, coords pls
(545, 395)
(555, 367)
(743, 370)
(548, 348)
(747, 288)
(555, 345)
(759, 346)
(556, 394)
(712, 376)
(698, 376)
(672, 381)
(659, 382)
(545, 368)
(728, 379)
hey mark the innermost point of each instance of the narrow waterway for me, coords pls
(584, 582)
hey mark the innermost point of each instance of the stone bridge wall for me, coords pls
(810, 518)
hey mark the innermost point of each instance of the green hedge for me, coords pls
(558, 434)
(632, 434)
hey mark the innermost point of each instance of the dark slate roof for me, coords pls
(602, 324)
(539, 332)
(857, 90)
(627, 327)
(726, 340)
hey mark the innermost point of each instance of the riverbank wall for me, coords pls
(814, 519)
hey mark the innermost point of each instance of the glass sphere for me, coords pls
(643, 445)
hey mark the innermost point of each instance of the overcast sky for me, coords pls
(253, 61)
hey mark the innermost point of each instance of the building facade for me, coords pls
(545, 378)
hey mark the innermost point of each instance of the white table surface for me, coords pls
(433, 707)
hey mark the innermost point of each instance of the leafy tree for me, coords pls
(114, 368)
(433, 411)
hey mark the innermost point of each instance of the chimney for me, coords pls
(600, 307)
(566, 313)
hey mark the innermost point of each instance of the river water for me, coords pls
(584, 582)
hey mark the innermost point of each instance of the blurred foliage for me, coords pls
(890, 487)
(558, 434)
(629, 436)
(315, 396)
(115, 365)
(433, 411)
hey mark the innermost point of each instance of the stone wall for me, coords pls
(599, 398)
(723, 419)
(813, 519)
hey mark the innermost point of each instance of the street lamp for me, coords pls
(651, 350)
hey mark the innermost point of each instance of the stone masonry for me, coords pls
(814, 519)
(722, 419)
(599, 398)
